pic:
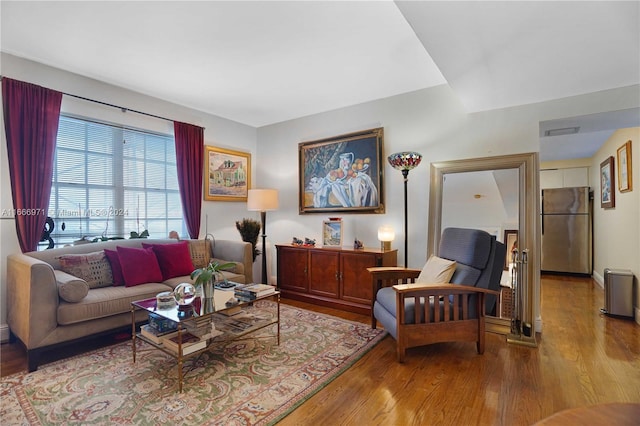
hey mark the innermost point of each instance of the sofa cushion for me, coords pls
(70, 288)
(93, 267)
(139, 266)
(105, 302)
(174, 259)
(116, 268)
(437, 271)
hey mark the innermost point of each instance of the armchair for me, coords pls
(418, 314)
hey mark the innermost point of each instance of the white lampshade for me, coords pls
(262, 200)
(386, 233)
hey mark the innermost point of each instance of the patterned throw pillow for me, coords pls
(94, 268)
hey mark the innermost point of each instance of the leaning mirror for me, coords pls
(502, 194)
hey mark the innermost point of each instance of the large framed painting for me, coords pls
(342, 173)
(607, 184)
(227, 174)
(624, 167)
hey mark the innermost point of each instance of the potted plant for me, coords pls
(206, 277)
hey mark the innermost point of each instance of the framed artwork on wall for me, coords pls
(342, 174)
(332, 233)
(511, 242)
(227, 174)
(607, 184)
(624, 168)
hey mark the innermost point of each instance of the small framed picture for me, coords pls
(624, 167)
(511, 242)
(332, 233)
(607, 184)
(227, 174)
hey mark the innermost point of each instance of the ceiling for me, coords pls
(265, 62)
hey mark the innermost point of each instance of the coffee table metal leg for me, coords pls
(133, 332)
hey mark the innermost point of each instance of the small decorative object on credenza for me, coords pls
(357, 244)
(308, 242)
(296, 242)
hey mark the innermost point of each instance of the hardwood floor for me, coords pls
(583, 358)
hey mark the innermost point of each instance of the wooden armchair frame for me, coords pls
(429, 327)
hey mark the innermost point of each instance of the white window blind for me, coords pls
(109, 181)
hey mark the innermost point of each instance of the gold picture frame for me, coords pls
(227, 174)
(607, 184)
(625, 183)
(342, 173)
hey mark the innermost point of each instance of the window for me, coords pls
(109, 181)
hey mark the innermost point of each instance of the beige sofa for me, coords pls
(40, 317)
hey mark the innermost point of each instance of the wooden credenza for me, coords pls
(333, 277)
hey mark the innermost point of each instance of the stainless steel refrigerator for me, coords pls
(566, 230)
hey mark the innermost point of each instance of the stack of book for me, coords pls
(200, 327)
(153, 334)
(190, 342)
(253, 291)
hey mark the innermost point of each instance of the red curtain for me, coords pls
(190, 163)
(31, 116)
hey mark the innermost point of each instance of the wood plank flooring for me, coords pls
(583, 358)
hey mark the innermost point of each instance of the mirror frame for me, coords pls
(528, 224)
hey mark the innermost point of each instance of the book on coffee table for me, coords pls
(153, 334)
(190, 342)
(253, 291)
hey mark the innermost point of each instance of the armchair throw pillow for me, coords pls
(437, 271)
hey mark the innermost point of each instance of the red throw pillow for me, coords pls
(139, 266)
(174, 259)
(116, 269)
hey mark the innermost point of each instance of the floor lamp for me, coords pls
(405, 161)
(263, 200)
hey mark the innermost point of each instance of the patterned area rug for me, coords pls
(252, 381)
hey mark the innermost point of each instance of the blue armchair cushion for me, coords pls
(468, 246)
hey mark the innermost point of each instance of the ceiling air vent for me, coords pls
(562, 132)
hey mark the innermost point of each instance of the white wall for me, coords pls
(218, 131)
(616, 231)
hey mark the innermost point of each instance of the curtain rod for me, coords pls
(123, 109)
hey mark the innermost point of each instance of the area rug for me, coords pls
(252, 381)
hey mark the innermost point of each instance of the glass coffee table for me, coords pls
(230, 322)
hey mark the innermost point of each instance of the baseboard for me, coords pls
(4, 333)
(599, 279)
